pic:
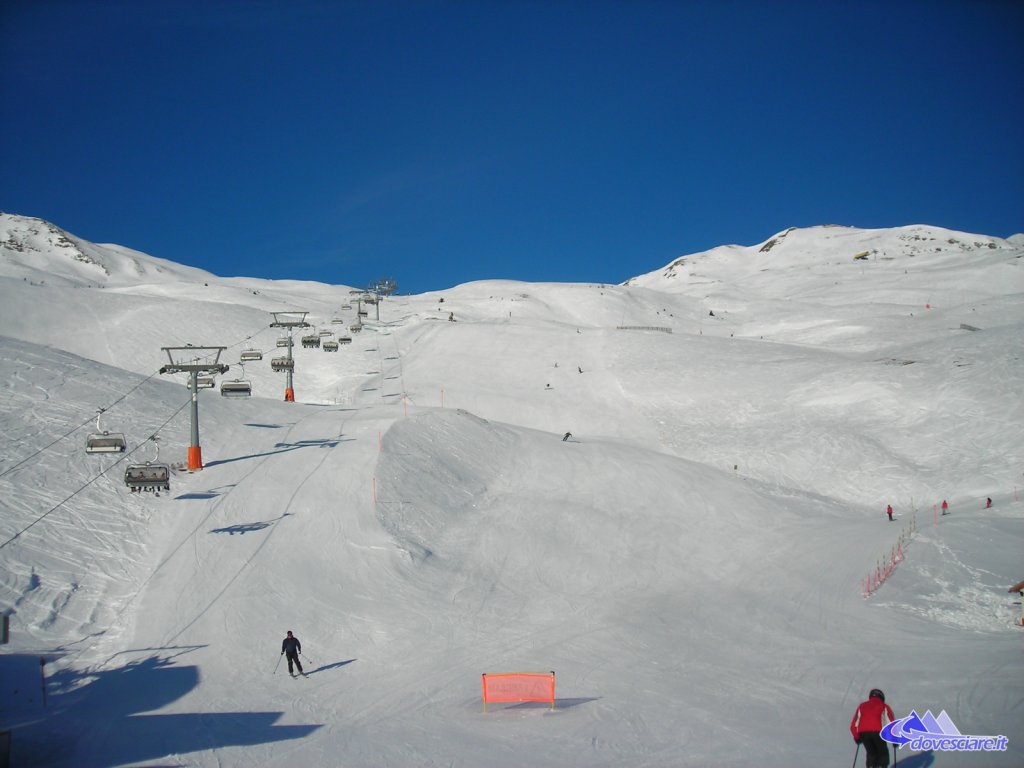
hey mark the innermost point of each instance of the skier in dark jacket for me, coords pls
(291, 647)
(868, 721)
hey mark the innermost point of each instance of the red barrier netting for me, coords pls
(519, 686)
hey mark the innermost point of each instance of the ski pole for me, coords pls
(855, 756)
(278, 663)
(306, 657)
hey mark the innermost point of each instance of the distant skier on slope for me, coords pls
(869, 719)
(291, 648)
(945, 507)
(566, 436)
(888, 511)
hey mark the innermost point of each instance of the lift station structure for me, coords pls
(290, 320)
(194, 361)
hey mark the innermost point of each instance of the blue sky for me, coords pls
(442, 142)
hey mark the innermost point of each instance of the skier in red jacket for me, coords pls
(869, 719)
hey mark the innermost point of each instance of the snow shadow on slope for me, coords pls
(95, 719)
(560, 705)
(326, 667)
(242, 528)
(920, 760)
(284, 448)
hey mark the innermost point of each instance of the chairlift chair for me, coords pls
(202, 382)
(337, 321)
(103, 441)
(324, 334)
(282, 364)
(284, 341)
(252, 354)
(236, 388)
(313, 340)
(344, 339)
(330, 346)
(149, 477)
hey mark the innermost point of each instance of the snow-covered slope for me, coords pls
(690, 562)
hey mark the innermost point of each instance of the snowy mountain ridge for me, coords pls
(32, 246)
(931, 247)
(35, 249)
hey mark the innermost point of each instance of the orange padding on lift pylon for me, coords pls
(519, 686)
(195, 457)
(289, 395)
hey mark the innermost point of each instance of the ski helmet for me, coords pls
(876, 693)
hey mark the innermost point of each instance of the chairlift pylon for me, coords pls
(195, 360)
(104, 442)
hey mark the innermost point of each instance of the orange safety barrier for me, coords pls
(518, 686)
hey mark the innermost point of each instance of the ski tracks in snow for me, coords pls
(209, 554)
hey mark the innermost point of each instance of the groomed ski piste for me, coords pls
(691, 563)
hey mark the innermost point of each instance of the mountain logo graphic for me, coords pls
(924, 732)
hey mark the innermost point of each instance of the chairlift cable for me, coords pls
(92, 480)
(72, 431)
(75, 429)
(250, 337)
